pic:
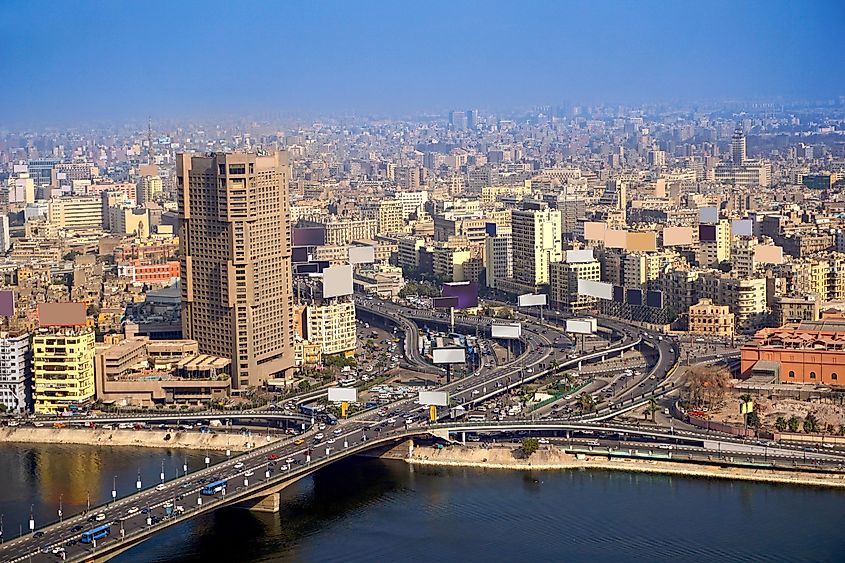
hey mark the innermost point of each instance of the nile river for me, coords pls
(371, 510)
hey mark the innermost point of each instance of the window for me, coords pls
(812, 375)
(833, 376)
(792, 374)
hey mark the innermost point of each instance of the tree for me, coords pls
(586, 402)
(707, 384)
(780, 424)
(304, 386)
(652, 407)
(811, 423)
(3, 408)
(753, 420)
(529, 446)
(793, 423)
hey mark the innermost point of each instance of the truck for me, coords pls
(309, 410)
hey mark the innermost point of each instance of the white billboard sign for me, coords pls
(341, 394)
(449, 355)
(510, 331)
(578, 256)
(581, 326)
(708, 215)
(531, 300)
(337, 281)
(362, 254)
(599, 290)
(436, 398)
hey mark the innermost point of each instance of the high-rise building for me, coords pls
(738, 154)
(235, 244)
(564, 278)
(537, 242)
(63, 369)
(147, 189)
(83, 212)
(332, 326)
(390, 219)
(15, 372)
(458, 120)
(5, 241)
(498, 258)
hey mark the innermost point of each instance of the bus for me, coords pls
(214, 488)
(95, 533)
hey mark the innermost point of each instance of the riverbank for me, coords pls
(142, 438)
(550, 458)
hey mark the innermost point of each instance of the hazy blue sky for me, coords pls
(65, 61)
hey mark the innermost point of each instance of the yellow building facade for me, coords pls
(63, 369)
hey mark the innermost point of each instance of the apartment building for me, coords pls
(63, 369)
(709, 319)
(331, 325)
(15, 372)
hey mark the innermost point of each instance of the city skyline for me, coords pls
(111, 62)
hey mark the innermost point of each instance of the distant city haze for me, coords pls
(69, 63)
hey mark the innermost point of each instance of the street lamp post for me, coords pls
(60, 508)
(114, 489)
(162, 472)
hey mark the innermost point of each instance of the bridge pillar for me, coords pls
(270, 503)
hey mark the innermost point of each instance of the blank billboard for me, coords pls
(578, 256)
(362, 254)
(764, 254)
(435, 398)
(444, 302)
(343, 394)
(618, 294)
(337, 281)
(708, 215)
(706, 233)
(742, 227)
(654, 299)
(7, 303)
(61, 314)
(466, 292)
(510, 331)
(531, 300)
(634, 296)
(308, 236)
(581, 326)
(299, 254)
(642, 242)
(677, 236)
(615, 238)
(594, 230)
(449, 355)
(599, 290)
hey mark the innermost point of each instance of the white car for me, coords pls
(239, 465)
(319, 436)
(248, 474)
(543, 441)
(100, 517)
(133, 510)
(338, 431)
(160, 488)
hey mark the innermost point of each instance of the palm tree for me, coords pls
(780, 424)
(811, 424)
(586, 402)
(652, 407)
(793, 423)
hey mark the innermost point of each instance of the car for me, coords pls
(145, 510)
(593, 443)
(248, 474)
(321, 427)
(338, 431)
(273, 457)
(239, 465)
(160, 488)
(290, 460)
(826, 445)
(330, 441)
(284, 467)
(100, 517)
(134, 510)
(319, 436)
(543, 441)
(76, 528)
(38, 534)
(299, 442)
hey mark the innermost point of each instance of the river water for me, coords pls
(365, 510)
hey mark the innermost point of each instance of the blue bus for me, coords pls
(95, 533)
(214, 488)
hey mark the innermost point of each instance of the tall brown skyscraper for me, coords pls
(235, 244)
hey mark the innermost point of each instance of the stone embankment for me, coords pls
(147, 438)
(550, 458)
